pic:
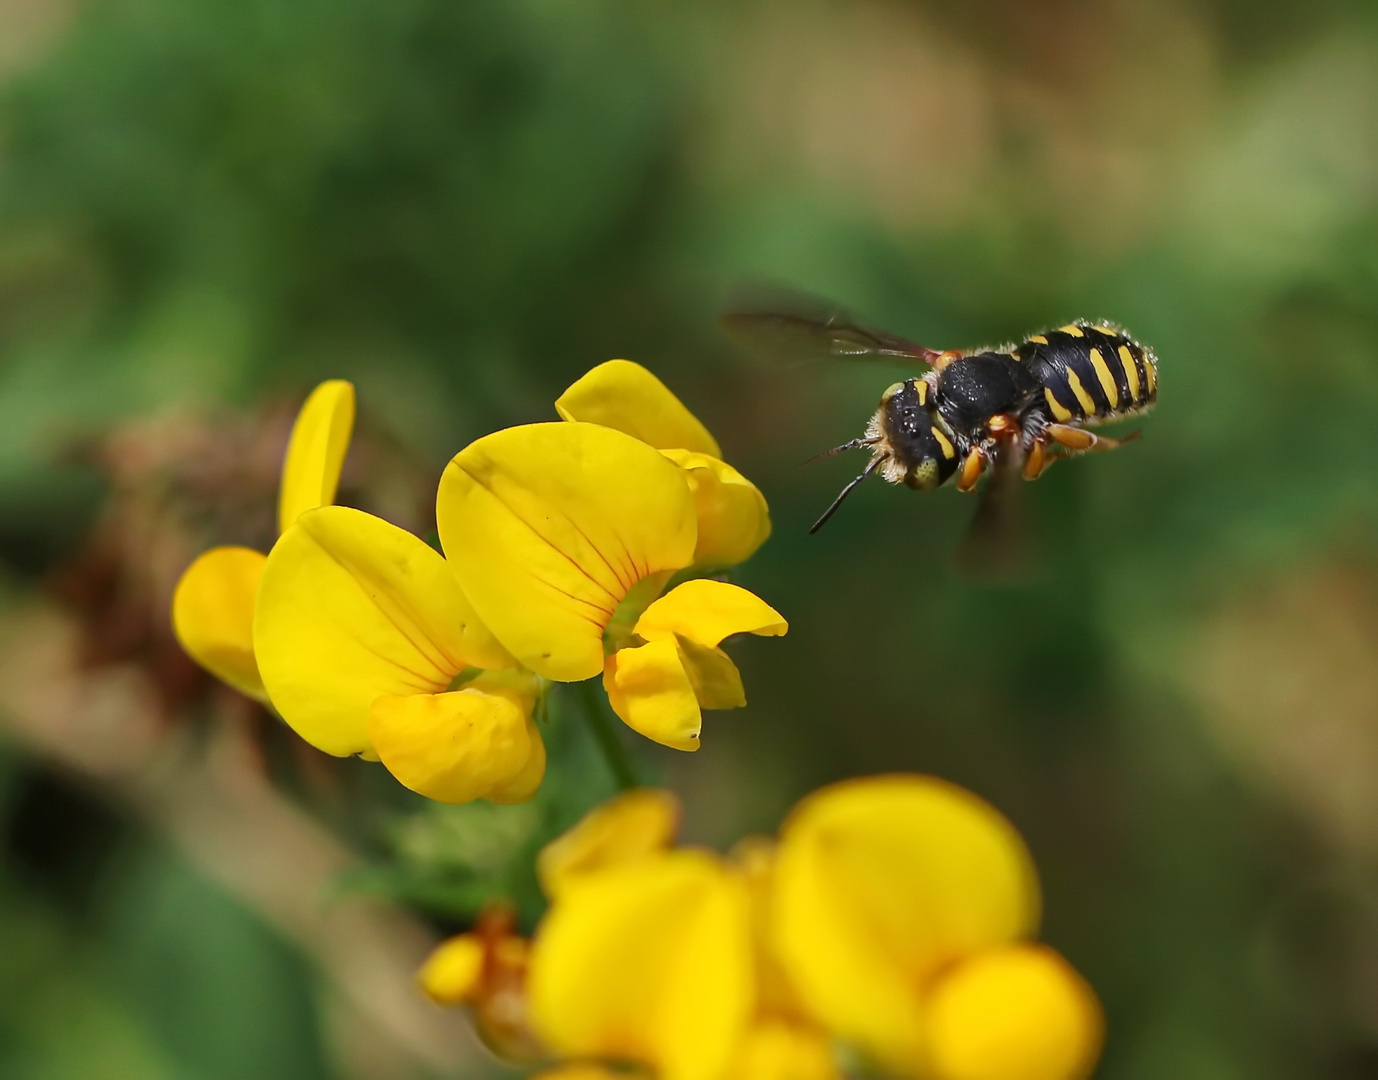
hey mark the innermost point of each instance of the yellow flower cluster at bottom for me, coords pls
(893, 918)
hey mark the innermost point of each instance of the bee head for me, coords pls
(909, 444)
(920, 452)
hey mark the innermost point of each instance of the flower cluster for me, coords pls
(558, 541)
(892, 921)
(888, 930)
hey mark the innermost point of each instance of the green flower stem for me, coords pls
(605, 735)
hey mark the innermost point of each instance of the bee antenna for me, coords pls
(875, 464)
(855, 444)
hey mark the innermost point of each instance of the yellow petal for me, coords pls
(650, 690)
(453, 972)
(316, 452)
(549, 526)
(213, 615)
(708, 611)
(456, 747)
(754, 859)
(521, 786)
(882, 882)
(627, 827)
(627, 397)
(650, 962)
(734, 519)
(777, 1050)
(716, 681)
(1018, 1013)
(521, 687)
(352, 608)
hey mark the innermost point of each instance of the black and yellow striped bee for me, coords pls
(1017, 407)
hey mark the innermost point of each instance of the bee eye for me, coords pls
(891, 391)
(924, 476)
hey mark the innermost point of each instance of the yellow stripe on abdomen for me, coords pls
(1131, 372)
(1107, 378)
(1060, 411)
(1152, 374)
(1087, 402)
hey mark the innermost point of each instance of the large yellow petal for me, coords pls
(627, 827)
(474, 743)
(1018, 1013)
(548, 526)
(453, 972)
(734, 519)
(316, 452)
(650, 690)
(625, 396)
(882, 882)
(213, 615)
(708, 611)
(650, 962)
(352, 608)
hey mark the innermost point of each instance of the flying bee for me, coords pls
(1013, 408)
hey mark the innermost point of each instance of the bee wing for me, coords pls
(786, 323)
(994, 547)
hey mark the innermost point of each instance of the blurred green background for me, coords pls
(205, 207)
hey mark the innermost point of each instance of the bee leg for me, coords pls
(972, 468)
(1037, 460)
(1079, 439)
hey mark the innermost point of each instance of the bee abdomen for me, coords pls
(1091, 372)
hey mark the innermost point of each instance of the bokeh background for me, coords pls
(461, 205)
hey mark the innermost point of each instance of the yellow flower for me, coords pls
(657, 957)
(561, 535)
(648, 961)
(355, 631)
(733, 519)
(899, 903)
(213, 605)
(891, 915)
(485, 969)
(361, 633)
